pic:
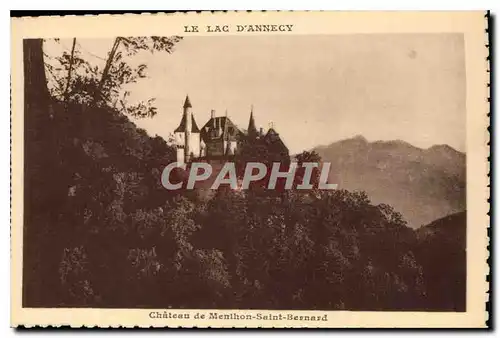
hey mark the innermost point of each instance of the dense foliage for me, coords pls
(75, 79)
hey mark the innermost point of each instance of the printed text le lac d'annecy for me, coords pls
(238, 28)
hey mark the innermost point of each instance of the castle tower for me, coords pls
(188, 113)
(187, 135)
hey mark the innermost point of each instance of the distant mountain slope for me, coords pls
(449, 229)
(422, 184)
(441, 251)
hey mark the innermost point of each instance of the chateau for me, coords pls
(220, 139)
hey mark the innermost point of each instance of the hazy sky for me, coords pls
(315, 89)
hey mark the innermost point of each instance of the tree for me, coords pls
(70, 68)
(35, 88)
(308, 156)
(311, 157)
(76, 80)
(36, 102)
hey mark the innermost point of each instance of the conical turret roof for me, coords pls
(252, 130)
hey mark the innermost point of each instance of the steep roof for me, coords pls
(273, 139)
(252, 130)
(182, 126)
(272, 134)
(220, 127)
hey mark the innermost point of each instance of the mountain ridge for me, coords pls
(361, 138)
(423, 184)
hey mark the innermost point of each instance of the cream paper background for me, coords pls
(471, 24)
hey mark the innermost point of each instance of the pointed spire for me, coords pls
(252, 130)
(187, 103)
(187, 120)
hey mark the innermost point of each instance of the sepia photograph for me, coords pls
(272, 171)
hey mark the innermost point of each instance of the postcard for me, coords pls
(250, 170)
